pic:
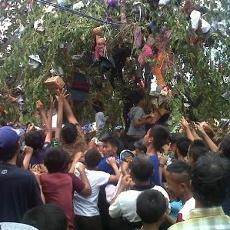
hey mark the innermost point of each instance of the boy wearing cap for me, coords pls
(19, 190)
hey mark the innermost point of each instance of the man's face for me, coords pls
(147, 139)
(109, 149)
(173, 185)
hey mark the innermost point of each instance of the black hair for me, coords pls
(46, 217)
(92, 158)
(115, 142)
(197, 149)
(182, 169)
(160, 136)
(56, 160)
(35, 139)
(8, 154)
(140, 145)
(69, 133)
(142, 168)
(209, 180)
(225, 147)
(151, 206)
(98, 106)
(174, 137)
(137, 96)
(183, 144)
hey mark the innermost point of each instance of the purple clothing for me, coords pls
(156, 172)
(39, 155)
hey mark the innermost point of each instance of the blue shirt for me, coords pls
(156, 172)
(105, 167)
(19, 192)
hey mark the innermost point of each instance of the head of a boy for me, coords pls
(111, 146)
(56, 160)
(35, 139)
(92, 158)
(151, 207)
(9, 146)
(141, 169)
(178, 176)
(69, 133)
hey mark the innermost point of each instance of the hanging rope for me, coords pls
(77, 12)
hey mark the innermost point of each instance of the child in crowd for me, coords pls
(58, 186)
(178, 176)
(86, 208)
(151, 208)
(46, 217)
(197, 149)
(100, 117)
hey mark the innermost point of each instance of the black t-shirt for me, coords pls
(19, 192)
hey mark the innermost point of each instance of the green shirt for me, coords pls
(204, 219)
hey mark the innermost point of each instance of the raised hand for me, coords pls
(39, 105)
(111, 161)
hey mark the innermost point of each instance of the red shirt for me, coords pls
(58, 189)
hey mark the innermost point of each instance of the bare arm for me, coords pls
(125, 183)
(207, 139)
(61, 97)
(112, 162)
(186, 128)
(69, 113)
(28, 151)
(87, 189)
(41, 109)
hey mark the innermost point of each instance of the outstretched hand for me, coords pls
(61, 95)
(184, 123)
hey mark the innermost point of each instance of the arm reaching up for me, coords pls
(60, 98)
(207, 139)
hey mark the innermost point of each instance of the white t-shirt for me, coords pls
(184, 212)
(87, 206)
(125, 204)
(100, 120)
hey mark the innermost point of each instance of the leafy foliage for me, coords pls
(67, 34)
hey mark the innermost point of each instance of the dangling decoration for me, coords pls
(138, 11)
(79, 87)
(138, 38)
(34, 61)
(112, 3)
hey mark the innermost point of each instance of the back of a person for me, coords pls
(87, 206)
(136, 112)
(127, 202)
(18, 189)
(156, 173)
(58, 189)
(194, 222)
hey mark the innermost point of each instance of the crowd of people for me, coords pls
(146, 178)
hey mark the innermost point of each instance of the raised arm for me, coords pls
(49, 122)
(60, 98)
(69, 113)
(40, 107)
(28, 151)
(213, 147)
(186, 127)
(112, 162)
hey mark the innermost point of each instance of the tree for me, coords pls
(198, 74)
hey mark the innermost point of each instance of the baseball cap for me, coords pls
(8, 138)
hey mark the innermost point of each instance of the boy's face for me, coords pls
(175, 187)
(109, 149)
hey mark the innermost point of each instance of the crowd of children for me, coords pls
(146, 179)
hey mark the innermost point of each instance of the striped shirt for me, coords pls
(205, 219)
